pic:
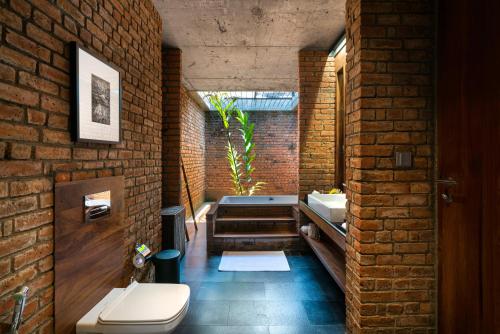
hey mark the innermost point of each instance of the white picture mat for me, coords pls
(88, 65)
(254, 261)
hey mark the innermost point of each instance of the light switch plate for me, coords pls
(403, 159)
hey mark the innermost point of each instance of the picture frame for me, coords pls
(96, 98)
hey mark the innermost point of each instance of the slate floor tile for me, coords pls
(207, 313)
(267, 313)
(330, 329)
(231, 291)
(193, 274)
(222, 330)
(264, 276)
(296, 291)
(324, 313)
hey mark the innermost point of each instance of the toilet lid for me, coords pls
(146, 303)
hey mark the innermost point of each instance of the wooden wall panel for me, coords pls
(88, 256)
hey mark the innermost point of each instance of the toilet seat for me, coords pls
(140, 308)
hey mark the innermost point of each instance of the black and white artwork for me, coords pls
(100, 100)
(96, 98)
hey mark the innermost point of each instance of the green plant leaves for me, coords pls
(240, 164)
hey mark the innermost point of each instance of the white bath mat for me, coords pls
(254, 261)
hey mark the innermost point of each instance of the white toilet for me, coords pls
(139, 308)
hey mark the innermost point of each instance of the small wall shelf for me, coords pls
(330, 249)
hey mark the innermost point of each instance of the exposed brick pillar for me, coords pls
(192, 128)
(171, 133)
(316, 121)
(391, 243)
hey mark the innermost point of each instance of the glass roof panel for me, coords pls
(257, 100)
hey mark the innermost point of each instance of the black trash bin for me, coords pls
(173, 221)
(167, 266)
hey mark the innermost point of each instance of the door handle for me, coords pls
(446, 196)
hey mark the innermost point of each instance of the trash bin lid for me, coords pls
(171, 211)
(168, 254)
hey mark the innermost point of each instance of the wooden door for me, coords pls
(468, 104)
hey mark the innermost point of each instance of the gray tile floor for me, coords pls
(305, 300)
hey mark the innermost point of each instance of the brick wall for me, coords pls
(317, 121)
(391, 235)
(193, 151)
(183, 132)
(171, 128)
(276, 140)
(35, 146)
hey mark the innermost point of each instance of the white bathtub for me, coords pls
(274, 200)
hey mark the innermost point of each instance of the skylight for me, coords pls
(258, 101)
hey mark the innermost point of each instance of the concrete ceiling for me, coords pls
(248, 44)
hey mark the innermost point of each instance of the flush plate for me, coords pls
(97, 205)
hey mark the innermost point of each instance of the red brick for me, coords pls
(32, 255)
(54, 74)
(23, 43)
(20, 132)
(27, 187)
(18, 95)
(36, 117)
(4, 189)
(56, 137)
(22, 7)
(38, 83)
(83, 175)
(25, 204)
(10, 19)
(16, 242)
(84, 154)
(46, 200)
(42, 20)
(44, 38)
(33, 220)
(58, 121)
(11, 113)
(54, 104)
(19, 168)
(17, 59)
(10, 283)
(19, 151)
(47, 8)
(7, 73)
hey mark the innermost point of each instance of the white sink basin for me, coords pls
(331, 207)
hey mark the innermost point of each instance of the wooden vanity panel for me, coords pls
(89, 257)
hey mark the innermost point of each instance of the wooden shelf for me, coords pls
(330, 250)
(257, 235)
(331, 258)
(331, 230)
(256, 219)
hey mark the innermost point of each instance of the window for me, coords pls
(254, 100)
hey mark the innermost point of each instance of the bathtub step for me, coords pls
(256, 219)
(256, 235)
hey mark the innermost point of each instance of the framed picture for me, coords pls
(96, 98)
